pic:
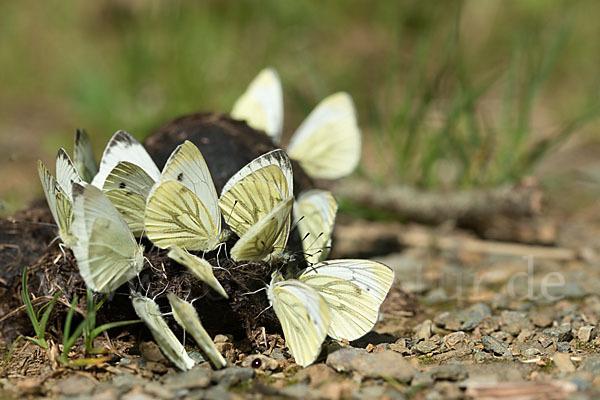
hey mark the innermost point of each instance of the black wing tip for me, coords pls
(121, 137)
(78, 189)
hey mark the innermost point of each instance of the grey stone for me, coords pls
(448, 372)
(514, 322)
(378, 392)
(591, 363)
(448, 320)
(541, 320)
(561, 333)
(296, 391)
(424, 329)
(126, 381)
(193, 379)
(217, 393)
(482, 356)
(371, 365)
(424, 347)
(563, 362)
(586, 333)
(455, 339)
(232, 376)
(435, 296)
(563, 347)
(137, 396)
(422, 379)
(495, 346)
(75, 385)
(531, 352)
(502, 336)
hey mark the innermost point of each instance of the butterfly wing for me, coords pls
(261, 106)
(83, 156)
(353, 290)
(328, 143)
(60, 206)
(315, 212)
(199, 267)
(124, 147)
(186, 316)
(66, 174)
(256, 189)
(106, 251)
(127, 187)
(267, 236)
(149, 312)
(187, 165)
(176, 216)
(304, 318)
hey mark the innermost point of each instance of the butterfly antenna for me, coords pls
(295, 224)
(231, 213)
(256, 291)
(261, 313)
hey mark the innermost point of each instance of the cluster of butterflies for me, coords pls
(101, 209)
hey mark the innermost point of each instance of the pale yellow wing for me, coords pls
(176, 216)
(304, 318)
(83, 156)
(186, 316)
(353, 290)
(328, 143)
(261, 106)
(255, 190)
(314, 213)
(127, 187)
(60, 206)
(149, 312)
(199, 267)
(106, 251)
(267, 236)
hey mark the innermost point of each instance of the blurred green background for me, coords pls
(449, 93)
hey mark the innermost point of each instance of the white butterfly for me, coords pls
(257, 202)
(199, 267)
(83, 156)
(314, 213)
(353, 290)
(58, 194)
(327, 144)
(149, 312)
(106, 251)
(186, 316)
(262, 103)
(126, 175)
(124, 147)
(182, 208)
(304, 317)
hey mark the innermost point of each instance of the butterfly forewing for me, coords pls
(354, 291)
(83, 156)
(175, 215)
(66, 174)
(124, 147)
(304, 318)
(267, 236)
(187, 165)
(106, 251)
(199, 267)
(261, 106)
(328, 143)
(314, 213)
(149, 312)
(186, 316)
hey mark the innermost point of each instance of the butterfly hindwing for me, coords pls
(199, 267)
(304, 318)
(328, 143)
(124, 147)
(261, 106)
(353, 290)
(106, 251)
